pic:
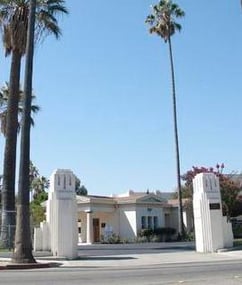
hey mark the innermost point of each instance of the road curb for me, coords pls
(15, 266)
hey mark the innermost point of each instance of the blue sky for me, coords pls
(105, 95)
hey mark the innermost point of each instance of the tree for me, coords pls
(4, 95)
(8, 233)
(23, 245)
(36, 209)
(229, 186)
(80, 189)
(14, 21)
(33, 173)
(163, 24)
(38, 184)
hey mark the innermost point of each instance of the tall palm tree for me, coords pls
(23, 244)
(14, 24)
(7, 233)
(4, 95)
(162, 23)
(14, 21)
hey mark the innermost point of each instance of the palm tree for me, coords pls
(14, 21)
(162, 22)
(4, 95)
(38, 183)
(7, 233)
(23, 245)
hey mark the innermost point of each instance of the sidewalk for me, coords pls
(138, 260)
(182, 256)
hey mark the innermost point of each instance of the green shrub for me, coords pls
(112, 239)
(141, 239)
(146, 232)
(237, 231)
(156, 235)
(164, 233)
(189, 236)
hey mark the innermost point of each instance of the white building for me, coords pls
(123, 215)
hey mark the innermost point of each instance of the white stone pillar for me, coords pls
(46, 236)
(62, 214)
(208, 218)
(89, 227)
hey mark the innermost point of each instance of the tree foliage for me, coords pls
(14, 19)
(229, 185)
(80, 189)
(4, 95)
(163, 19)
(39, 185)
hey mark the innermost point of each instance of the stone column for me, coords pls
(208, 218)
(89, 227)
(62, 214)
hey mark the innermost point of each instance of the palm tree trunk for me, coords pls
(23, 243)
(178, 172)
(9, 167)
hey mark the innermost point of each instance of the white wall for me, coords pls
(128, 227)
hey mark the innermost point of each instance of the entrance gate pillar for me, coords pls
(62, 214)
(212, 231)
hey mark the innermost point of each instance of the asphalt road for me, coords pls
(229, 273)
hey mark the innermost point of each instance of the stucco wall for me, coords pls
(109, 219)
(128, 227)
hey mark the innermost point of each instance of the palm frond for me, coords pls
(4, 95)
(35, 109)
(162, 19)
(14, 19)
(177, 27)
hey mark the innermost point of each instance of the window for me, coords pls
(155, 218)
(143, 222)
(149, 222)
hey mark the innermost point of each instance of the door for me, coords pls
(96, 230)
